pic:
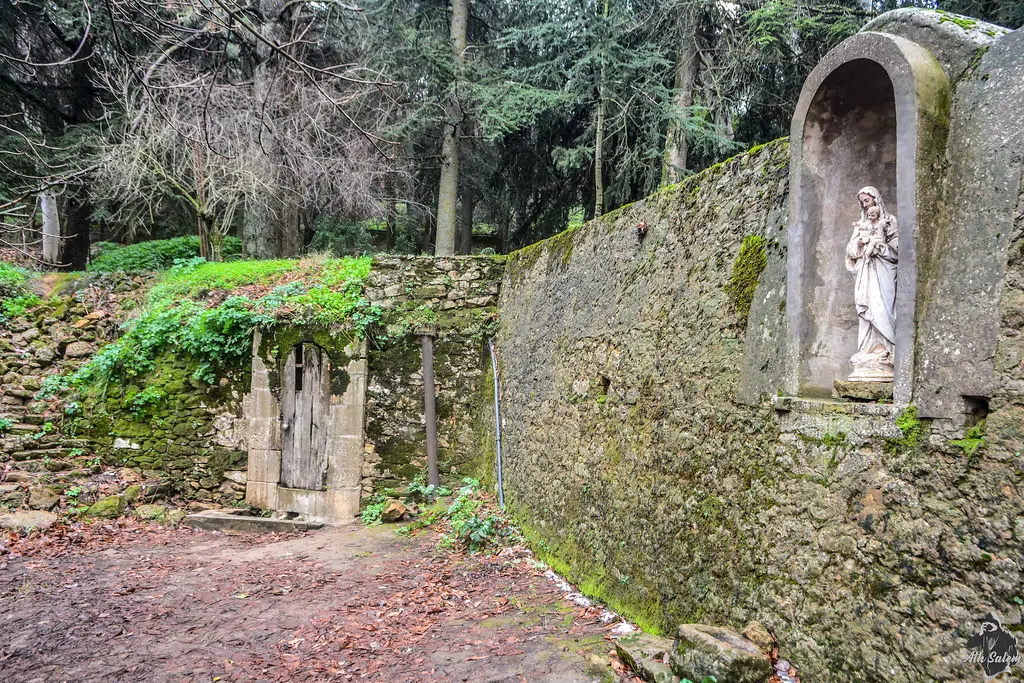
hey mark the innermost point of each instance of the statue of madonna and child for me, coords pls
(872, 255)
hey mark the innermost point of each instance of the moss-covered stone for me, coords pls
(107, 508)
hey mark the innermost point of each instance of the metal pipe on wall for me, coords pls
(429, 409)
(497, 424)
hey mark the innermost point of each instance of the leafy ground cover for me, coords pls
(131, 601)
(208, 311)
(15, 294)
(153, 255)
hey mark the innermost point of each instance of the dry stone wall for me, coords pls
(648, 458)
(463, 294)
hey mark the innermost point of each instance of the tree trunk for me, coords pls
(203, 225)
(51, 230)
(75, 248)
(464, 244)
(448, 188)
(602, 111)
(676, 148)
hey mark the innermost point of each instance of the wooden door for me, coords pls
(305, 409)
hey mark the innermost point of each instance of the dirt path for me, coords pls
(152, 603)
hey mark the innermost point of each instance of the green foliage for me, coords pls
(706, 679)
(746, 271)
(344, 237)
(373, 508)
(912, 428)
(218, 334)
(15, 295)
(141, 401)
(154, 255)
(5, 424)
(973, 440)
(420, 493)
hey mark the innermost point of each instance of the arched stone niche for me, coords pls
(873, 112)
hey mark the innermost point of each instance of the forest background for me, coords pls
(409, 126)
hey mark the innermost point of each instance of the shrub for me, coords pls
(154, 255)
(15, 295)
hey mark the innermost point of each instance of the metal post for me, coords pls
(429, 410)
(497, 425)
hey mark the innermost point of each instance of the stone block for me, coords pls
(346, 420)
(333, 506)
(344, 461)
(261, 495)
(263, 433)
(264, 466)
(863, 391)
(262, 404)
(646, 654)
(700, 651)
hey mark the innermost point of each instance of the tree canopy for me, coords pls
(402, 125)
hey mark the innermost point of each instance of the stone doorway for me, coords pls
(305, 429)
(305, 410)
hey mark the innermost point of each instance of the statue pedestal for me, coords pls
(879, 390)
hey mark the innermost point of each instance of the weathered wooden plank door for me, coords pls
(305, 410)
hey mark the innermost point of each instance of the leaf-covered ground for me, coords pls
(136, 602)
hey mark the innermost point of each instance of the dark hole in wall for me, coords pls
(298, 367)
(602, 385)
(975, 408)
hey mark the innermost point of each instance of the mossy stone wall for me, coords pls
(870, 541)
(169, 426)
(461, 294)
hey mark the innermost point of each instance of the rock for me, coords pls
(28, 519)
(30, 334)
(151, 512)
(128, 475)
(42, 498)
(863, 391)
(647, 656)
(756, 633)
(132, 494)
(701, 651)
(19, 476)
(393, 511)
(45, 354)
(176, 515)
(109, 507)
(78, 349)
(237, 476)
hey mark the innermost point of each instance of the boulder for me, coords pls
(700, 651)
(176, 515)
(647, 656)
(393, 511)
(28, 519)
(132, 494)
(109, 507)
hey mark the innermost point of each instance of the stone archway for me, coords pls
(873, 112)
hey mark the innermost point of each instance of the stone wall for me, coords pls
(463, 293)
(646, 458)
(169, 427)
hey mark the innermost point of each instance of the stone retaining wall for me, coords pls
(642, 461)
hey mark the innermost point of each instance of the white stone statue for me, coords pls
(871, 255)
